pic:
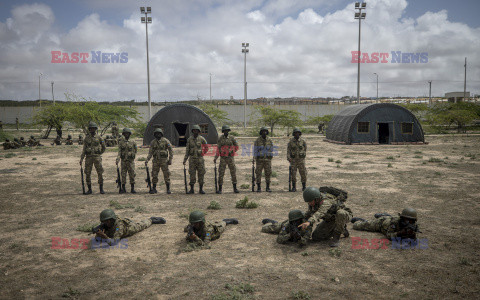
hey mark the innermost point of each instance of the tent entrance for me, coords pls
(383, 133)
(182, 132)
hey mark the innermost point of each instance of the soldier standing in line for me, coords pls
(196, 163)
(80, 139)
(201, 232)
(93, 148)
(296, 152)
(16, 122)
(162, 153)
(127, 150)
(227, 147)
(263, 154)
(115, 131)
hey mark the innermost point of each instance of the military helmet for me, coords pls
(296, 129)
(195, 127)
(69, 136)
(196, 216)
(311, 193)
(158, 130)
(15, 139)
(7, 140)
(107, 214)
(32, 137)
(107, 137)
(80, 135)
(92, 125)
(126, 130)
(294, 215)
(262, 129)
(409, 213)
(21, 138)
(225, 127)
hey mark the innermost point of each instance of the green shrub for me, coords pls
(214, 205)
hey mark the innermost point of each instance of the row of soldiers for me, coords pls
(326, 218)
(196, 147)
(19, 143)
(68, 141)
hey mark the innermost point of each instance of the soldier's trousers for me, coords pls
(196, 165)
(128, 166)
(90, 161)
(224, 162)
(156, 165)
(299, 163)
(134, 227)
(263, 164)
(272, 228)
(374, 225)
(326, 229)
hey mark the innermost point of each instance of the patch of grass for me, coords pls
(330, 159)
(34, 158)
(140, 209)
(465, 262)
(418, 156)
(338, 166)
(13, 246)
(300, 295)
(142, 159)
(335, 252)
(9, 155)
(86, 227)
(70, 293)
(243, 203)
(338, 161)
(390, 157)
(389, 165)
(437, 173)
(313, 168)
(472, 156)
(274, 174)
(111, 149)
(234, 133)
(435, 160)
(244, 186)
(214, 205)
(117, 205)
(304, 254)
(236, 292)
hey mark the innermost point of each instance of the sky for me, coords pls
(296, 49)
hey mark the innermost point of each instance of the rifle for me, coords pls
(253, 175)
(413, 228)
(295, 231)
(185, 179)
(99, 227)
(83, 182)
(148, 181)
(290, 178)
(216, 181)
(190, 230)
(119, 180)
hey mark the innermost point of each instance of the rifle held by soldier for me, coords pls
(100, 227)
(119, 180)
(185, 179)
(83, 182)
(216, 181)
(148, 181)
(253, 175)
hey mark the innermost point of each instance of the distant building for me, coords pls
(456, 96)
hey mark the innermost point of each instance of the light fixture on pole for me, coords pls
(245, 51)
(359, 15)
(376, 100)
(147, 20)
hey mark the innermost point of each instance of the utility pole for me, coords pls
(465, 82)
(53, 97)
(359, 15)
(245, 51)
(39, 97)
(211, 88)
(430, 93)
(147, 20)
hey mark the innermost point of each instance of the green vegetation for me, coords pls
(4, 136)
(243, 203)
(300, 295)
(71, 293)
(117, 205)
(236, 292)
(214, 205)
(245, 186)
(86, 227)
(9, 155)
(435, 160)
(271, 116)
(218, 116)
(330, 159)
(139, 209)
(390, 157)
(335, 252)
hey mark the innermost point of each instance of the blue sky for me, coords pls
(297, 48)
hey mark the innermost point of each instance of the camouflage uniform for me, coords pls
(296, 152)
(93, 148)
(69, 140)
(196, 163)
(227, 147)
(125, 227)
(284, 229)
(263, 151)
(32, 142)
(127, 151)
(16, 143)
(8, 145)
(57, 141)
(22, 142)
(162, 153)
(115, 131)
(209, 232)
(335, 216)
(80, 140)
(387, 225)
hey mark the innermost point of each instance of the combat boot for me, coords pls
(355, 219)
(235, 189)
(335, 240)
(265, 221)
(101, 189)
(345, 232)
(191, 191)
(294, 186)
(268, 188)
(230, 221)
(153, 190)
(132, 190)
(89, 189)
(304, 186)
(259, 187)
(219, 189)
(158, 220)
(201, 189)
(168, 188)
(378, 215)
(122, 189)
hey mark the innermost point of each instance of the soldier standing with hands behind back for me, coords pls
(296, 152)
(162, 153)
(227, 147)
(263, 153)
(93, 148)
(127, 150)
(196, 162)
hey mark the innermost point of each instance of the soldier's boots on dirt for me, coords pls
(235, 189)
(132, 190)
(101, 189)
(201, 189)
(219, 189)
(259, 187)
(355, 219)
(122, 189)
(268, 188)
(345, 232)
(294, 186)
(265, 221)
(378, 215)
(168, 188)
(304, 186)
(191, 191)
(230, 221)
(158, 220)
(154, 189)
(89, 189)
(335, 240)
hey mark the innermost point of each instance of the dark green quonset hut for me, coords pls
(381, 123)
(176, 121)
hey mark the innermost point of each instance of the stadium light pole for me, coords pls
(53, 96)
(147, 10)
(39, 97)
(211, 88)
(359, 15)
(245, 51)
(376, 100)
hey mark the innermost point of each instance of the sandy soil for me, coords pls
(41, 198)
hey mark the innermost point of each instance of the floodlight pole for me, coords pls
(376, 100)
(359, 15)
(146, 20)
(39, 97)
(211, 88)
(245, 51)
(53, 96)
(465, 82)
(430, 92)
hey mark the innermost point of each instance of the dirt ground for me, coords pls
(41, 198)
